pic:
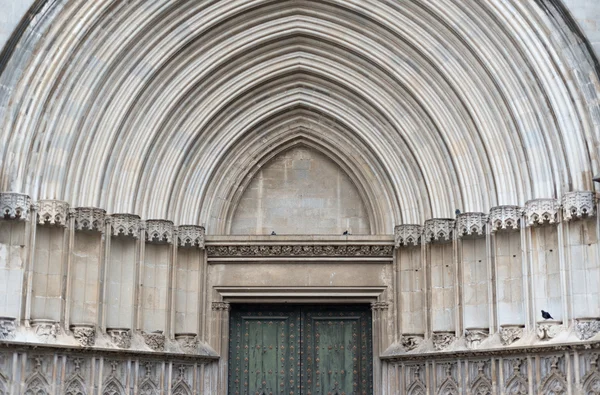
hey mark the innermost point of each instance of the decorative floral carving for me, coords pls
(125, 225)
(510, 333)
(191, 235)
(442, 340)
(541, 211)
(591, 381)
(45, 330)
(449, 386)
(188, 342)
(578, 205)
(438, 229)
(53, 212)
(586, 328)
(517, 383)
(417, 387)
(505, 217)
(407, 234)
(410, 342)
(159, 231)
(7, 328)
(474, 336)
(15, 205)
(468, 224)
(482, 385)
(555, 382)
(155, 340)
(120, 337)
(89, 218)
(547, 330)
(85, 334)
(300, 250)
(379, 306)
(221, 306)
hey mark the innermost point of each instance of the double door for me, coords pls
(300, 350)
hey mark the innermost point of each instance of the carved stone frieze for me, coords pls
(407, 234)
(45, 330)
(586, 328)
(379, 306)
(300, 250)
(84, 334)
(188, 342)
(442, 340)
(555, 382)
(89, 218)
(15, 205)
(547, 330)
(510, 333)
(438, 229)
(159, 231)
(154, 340)
(474, 336)
(541, 211)
(120, 337)
(578, 204)
(221, 306)
(505, 218)
(7, 328)
(468, 224)
(410, 342)
(53, 212)
(191, 235)
(125, 225)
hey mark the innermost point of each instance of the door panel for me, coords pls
(300, 350)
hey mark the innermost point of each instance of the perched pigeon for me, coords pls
(273, 233)
(457, 212)
(345, 233)
(546, 315)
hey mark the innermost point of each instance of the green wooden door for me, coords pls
(300, 350)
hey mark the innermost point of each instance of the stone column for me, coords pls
(221, 343)
(378, 309)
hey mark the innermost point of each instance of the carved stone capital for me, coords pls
(442, 340)
(221, 306)
(438, 229)
(120, 337)
(191, 235)
(578, 204)
(586, 328)
(410, 342)
(84, 334)
(541, 211)
(510, 333)
(188, 342)
(53, 212)
(379, 306)
(45, 330)
(505, 217)
(547, 330)
(89, 218)
(15, 205)
(474, 336)
(468, 224)
(7, 328)
(159, 231)
(155, 340)
(407, 234)
(125, 225)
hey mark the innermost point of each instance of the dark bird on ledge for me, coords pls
(457, 212)
(546, 315)
(345, 233)
(273, 233)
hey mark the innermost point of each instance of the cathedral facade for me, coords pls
(300, 197)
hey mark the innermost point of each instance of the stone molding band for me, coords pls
(300, 250)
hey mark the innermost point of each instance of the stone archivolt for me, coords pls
(52, 212)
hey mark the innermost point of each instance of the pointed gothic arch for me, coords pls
(36, 384)
(76, 386)
(181, 388)
(113, 386)
(148, 387)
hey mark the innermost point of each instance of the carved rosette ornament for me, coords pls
(586, 328)
(84, 334)
(548, 329)
(407, 234)
(474, 336)
(541, 211)
(505, 218)
(120, 337)
(188, 342)
(125, 225)
(442, 340)
(45, 330)
(154, 340)
(159, 231)
(191, 236)
(468, 224)
(7, 328)
(510, 333)
(89, 218)
(53, 212)
(410, 341)
(578, 204)
(438, 229)
(15, 205)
